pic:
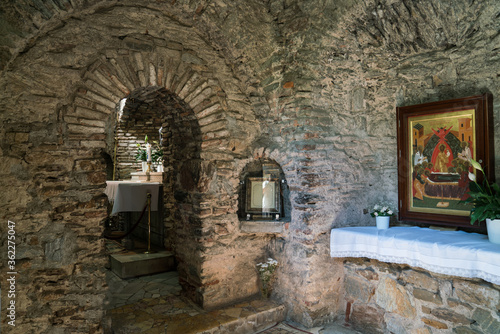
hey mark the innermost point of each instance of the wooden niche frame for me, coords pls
(443, 134)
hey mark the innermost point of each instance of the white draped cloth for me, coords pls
(455, 253)
(131, 195)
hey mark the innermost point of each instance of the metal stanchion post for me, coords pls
(149, 251)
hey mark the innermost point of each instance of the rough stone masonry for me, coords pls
(310, 85)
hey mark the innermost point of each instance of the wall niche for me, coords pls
(264, 203)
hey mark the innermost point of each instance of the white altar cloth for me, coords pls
(455, 253)
(131, 195)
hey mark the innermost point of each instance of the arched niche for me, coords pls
(264, 197)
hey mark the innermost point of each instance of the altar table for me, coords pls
(455, 253)
(131, 195)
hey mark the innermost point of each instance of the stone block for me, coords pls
(393, 297)
(261, 227)
(465, 330)
(420, 280)
(134, 265)
(453, 303)
(367, 319)
(487, 322)
(427, 296)
(420, 331)
(477, 294)
(397, 324)
(358, 99)
(434, 323)
(358, 289)
(368, 273)
(451, 316)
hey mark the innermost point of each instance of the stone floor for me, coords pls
(153, 304)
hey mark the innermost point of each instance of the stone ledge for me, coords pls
(455, 253)
(261, 226)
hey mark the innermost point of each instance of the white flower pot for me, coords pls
(382, 222)
(144, 166)
(493, 228)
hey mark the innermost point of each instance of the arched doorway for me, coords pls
(168, 121)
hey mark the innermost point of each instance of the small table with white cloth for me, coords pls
(130, 198)
(131, 195)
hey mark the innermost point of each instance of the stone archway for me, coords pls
(197, 142)
(61, 91)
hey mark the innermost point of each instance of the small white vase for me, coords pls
(493, 228)
(382, 222)
(144, 166)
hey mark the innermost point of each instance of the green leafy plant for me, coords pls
(485, 198)
(156, 152)
(141, 155)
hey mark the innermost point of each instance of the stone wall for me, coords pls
(333, 115)
(382, 297)
(311, 85)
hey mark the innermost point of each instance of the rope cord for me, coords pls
(131, 230)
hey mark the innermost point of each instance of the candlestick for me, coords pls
(148, 152)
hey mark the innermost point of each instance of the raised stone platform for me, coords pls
(139, 264)
(174, 315)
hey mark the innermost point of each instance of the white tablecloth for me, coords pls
(447, 252)
(131, 195)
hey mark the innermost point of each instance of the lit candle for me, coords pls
(148, 152)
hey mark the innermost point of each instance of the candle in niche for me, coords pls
(148, 152)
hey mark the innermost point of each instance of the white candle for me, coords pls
(148, 152)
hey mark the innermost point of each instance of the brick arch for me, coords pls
(110, 79)
(93, 109)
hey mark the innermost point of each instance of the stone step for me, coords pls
(139, 264)
(248, 318)
(175, 315)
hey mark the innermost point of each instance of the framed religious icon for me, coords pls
(435, 143)
(263, 195)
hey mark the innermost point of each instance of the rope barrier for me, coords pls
(131, 230)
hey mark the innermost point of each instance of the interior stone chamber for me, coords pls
(309, 88)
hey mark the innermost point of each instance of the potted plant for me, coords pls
(157, 156)
(485, 199)
(382, 214)
(142, 155)
(267, 276)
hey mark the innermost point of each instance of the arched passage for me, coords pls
(147, 111)
(199, 149)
